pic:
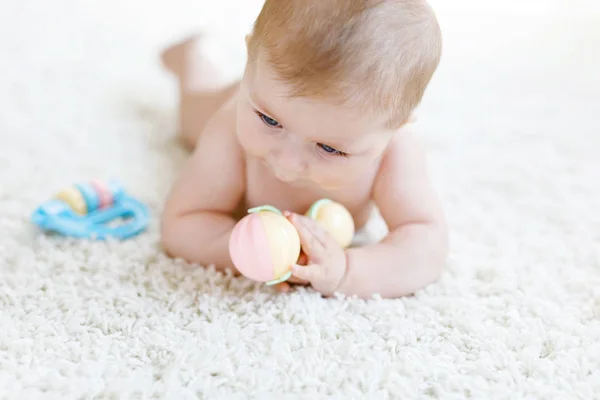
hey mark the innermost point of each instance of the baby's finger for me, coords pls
(307, 273)
(296, 281)
(282, 287)
(310, 243)
(318, 230)
(302, 260)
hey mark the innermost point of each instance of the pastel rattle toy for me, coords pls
(92, 210)
(335, 218)
(264, 245)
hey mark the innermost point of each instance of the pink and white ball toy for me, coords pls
(264, 245)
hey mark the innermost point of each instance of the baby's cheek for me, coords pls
(251, 140)
(253, 148)
(333, 177)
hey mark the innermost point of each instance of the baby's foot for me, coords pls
(173, 57)
(192, 62)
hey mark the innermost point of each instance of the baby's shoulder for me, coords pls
(218, 145)
(404, 153)
(224, 119)
(221, 127)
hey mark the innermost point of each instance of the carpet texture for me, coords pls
(511, 121)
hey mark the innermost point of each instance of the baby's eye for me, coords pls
(267, 120)
(331, 150)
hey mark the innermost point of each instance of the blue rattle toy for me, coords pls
(91, 210)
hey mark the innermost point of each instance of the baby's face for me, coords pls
(303, 140)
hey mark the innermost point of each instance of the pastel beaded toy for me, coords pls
(264, 244)
(86, 210)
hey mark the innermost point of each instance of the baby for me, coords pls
(322, 111)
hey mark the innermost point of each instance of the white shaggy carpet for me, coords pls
(512, 121)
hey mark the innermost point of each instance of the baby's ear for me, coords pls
(409, 120)
(248, 39)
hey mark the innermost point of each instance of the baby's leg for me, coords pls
(202, 90)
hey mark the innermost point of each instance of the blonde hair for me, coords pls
(378, 55)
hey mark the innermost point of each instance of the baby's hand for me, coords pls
(326, 259)
(284, 287)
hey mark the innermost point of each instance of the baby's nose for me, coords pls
(290, 159)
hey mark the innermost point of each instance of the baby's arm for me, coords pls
(414, 252)
(197, 219)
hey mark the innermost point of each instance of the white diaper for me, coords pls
(374, 230)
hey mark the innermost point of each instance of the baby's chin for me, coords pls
(330, 186)
(312, 183)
